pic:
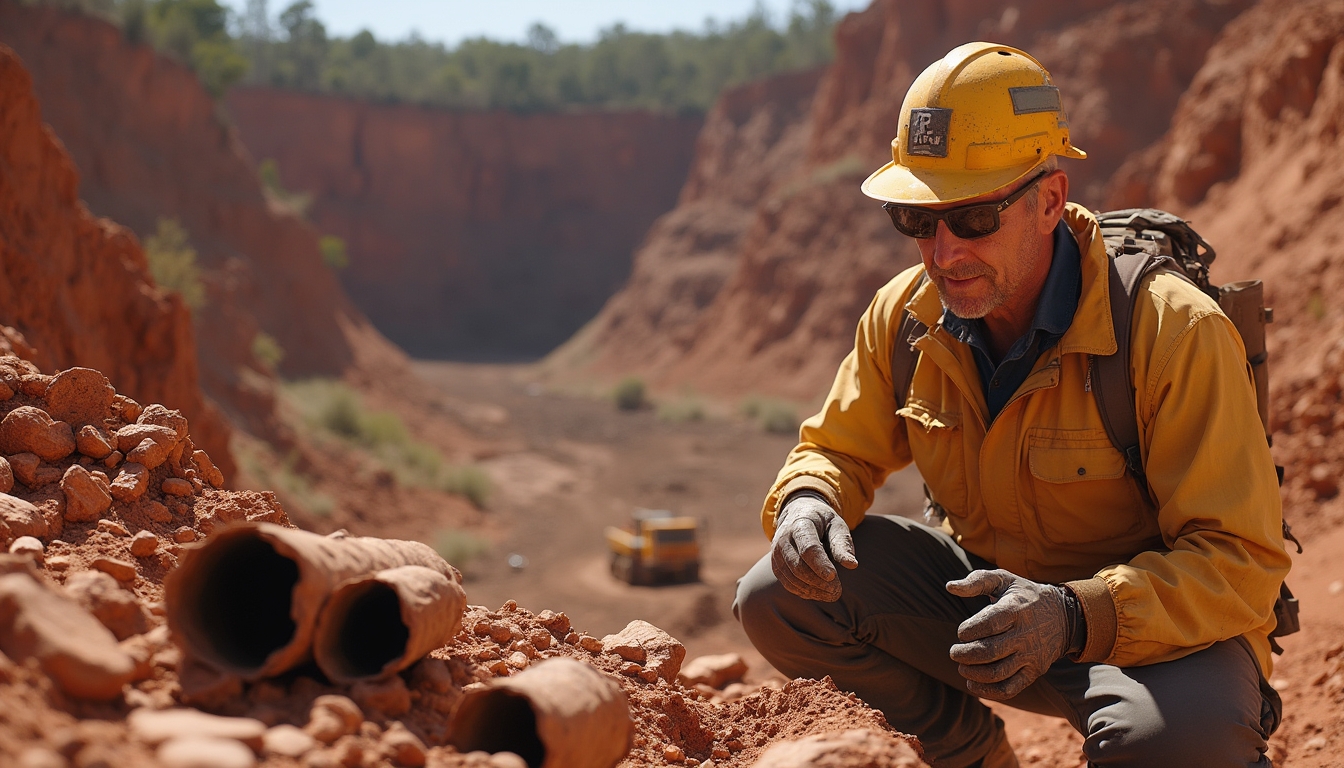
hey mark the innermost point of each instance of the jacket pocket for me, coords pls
(1082, 493)
(936, 444)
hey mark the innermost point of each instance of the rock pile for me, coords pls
(98, 497)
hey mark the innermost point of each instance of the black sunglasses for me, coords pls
(966, 222)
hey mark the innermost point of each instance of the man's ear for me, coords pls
(1053, 194)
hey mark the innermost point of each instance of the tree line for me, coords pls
(680, 71)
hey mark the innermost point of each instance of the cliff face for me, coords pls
(149, 143)
(815, 249)
(1252, 158)
(473, 234)
(77, 287)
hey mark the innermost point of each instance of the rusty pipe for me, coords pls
(561, 713)
(246, 600)
(377, 625)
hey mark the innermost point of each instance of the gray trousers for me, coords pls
(887, 640)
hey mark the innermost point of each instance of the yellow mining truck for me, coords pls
(655, 547)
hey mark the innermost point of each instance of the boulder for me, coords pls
(80, 396)
(22, 518)
(31, 430)
(30, 470)
(91, 442)
(69, 644)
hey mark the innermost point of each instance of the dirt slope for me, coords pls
(483, 234)
(149, 142)
(77, 286)
(815, 249)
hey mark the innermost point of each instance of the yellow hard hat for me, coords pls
(975, 121)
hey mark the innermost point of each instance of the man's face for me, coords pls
(976, 277)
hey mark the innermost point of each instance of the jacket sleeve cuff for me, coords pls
(798, 483)
(1103, 625)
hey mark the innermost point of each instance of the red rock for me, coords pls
(34, 384)
(85, 498)
(648, 645)
(404, 747)
(102, 596)
(209, 471)
(866, 747)
(158, 415)
(176, 486)
(389, 696)
(150, 452)
(131, 483)
(204, 752)
(22, 518)
(128, 409)
(79, 654)
(144, 544)
(183, 535)
(287, 741)
(715, 671)
(117, 569)
(80, 396)
(158, 726)
(91, 442)
(332, 717)
(29, 547)
(113, 459)
(30, 430)
(6, 476)
(30, 470)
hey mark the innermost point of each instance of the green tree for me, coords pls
(172, 262)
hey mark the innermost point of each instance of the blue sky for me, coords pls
(450, 21)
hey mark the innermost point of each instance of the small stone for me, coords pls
(557, 623)
(157, 726)
(113, 528)
(540, 639)
(648, 675)
(57, 563)
(206, 687)
(158, 512)
(204, 752)
(674, 754)
(21, 517)
(432, 675)
(41, 757)
(404, 747)
(149, 452)
(854, 747)
(117, 569)
(144, 544)
(128, 409)
(287, 741)
(590, 644)
(161, 416)
(518, 660)
(332, 717)
(85, 498)
(91, 443)
(573, 638)
(499, 668)
(131, 483)
(6, 391)
(1323, 482)
(183, 535)
(29, 547)
(132, 436)
(642, 642)
(501, 633)
(30, 470)
(31, 430)
(176, 486)
(209, 471)
(113, 459)
(34, 384)
(6, 476)
(80, 396)
(716, 671)
(116, 608)
(506, 760)
(630, 669)
(390, 696)
(77, 652)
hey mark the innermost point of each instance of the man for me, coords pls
(1057, 582)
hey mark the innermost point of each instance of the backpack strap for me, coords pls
(903, 352)
(1112, 383)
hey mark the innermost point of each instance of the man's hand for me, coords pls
(1006, 646)
(797, 556)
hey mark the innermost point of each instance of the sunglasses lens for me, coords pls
(913, 222)
(972, 222)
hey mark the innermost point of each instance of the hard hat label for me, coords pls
(928, 131)
(1035, 98)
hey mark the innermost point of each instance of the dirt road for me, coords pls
(581, 465)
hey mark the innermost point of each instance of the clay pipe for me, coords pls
(561, 713)
(246, 600)
(377, 625)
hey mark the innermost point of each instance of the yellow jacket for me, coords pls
(1044, 494)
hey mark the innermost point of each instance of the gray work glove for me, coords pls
(1009, 644)
(797, 556)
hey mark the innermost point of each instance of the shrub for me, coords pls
(172, 262)
(334, 254)
(775, 416)
(629, 394)
(267, 351)
(471, 482)
(297, 202)
(681, 411)
(283, 476)
(459, 547)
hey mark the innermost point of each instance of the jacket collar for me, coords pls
(1090, 332)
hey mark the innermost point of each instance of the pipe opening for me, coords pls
(499, 721)
(370, 633)
(243, 603)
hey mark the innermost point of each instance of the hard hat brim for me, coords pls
(894, 183)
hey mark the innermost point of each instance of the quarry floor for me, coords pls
(576, 464)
